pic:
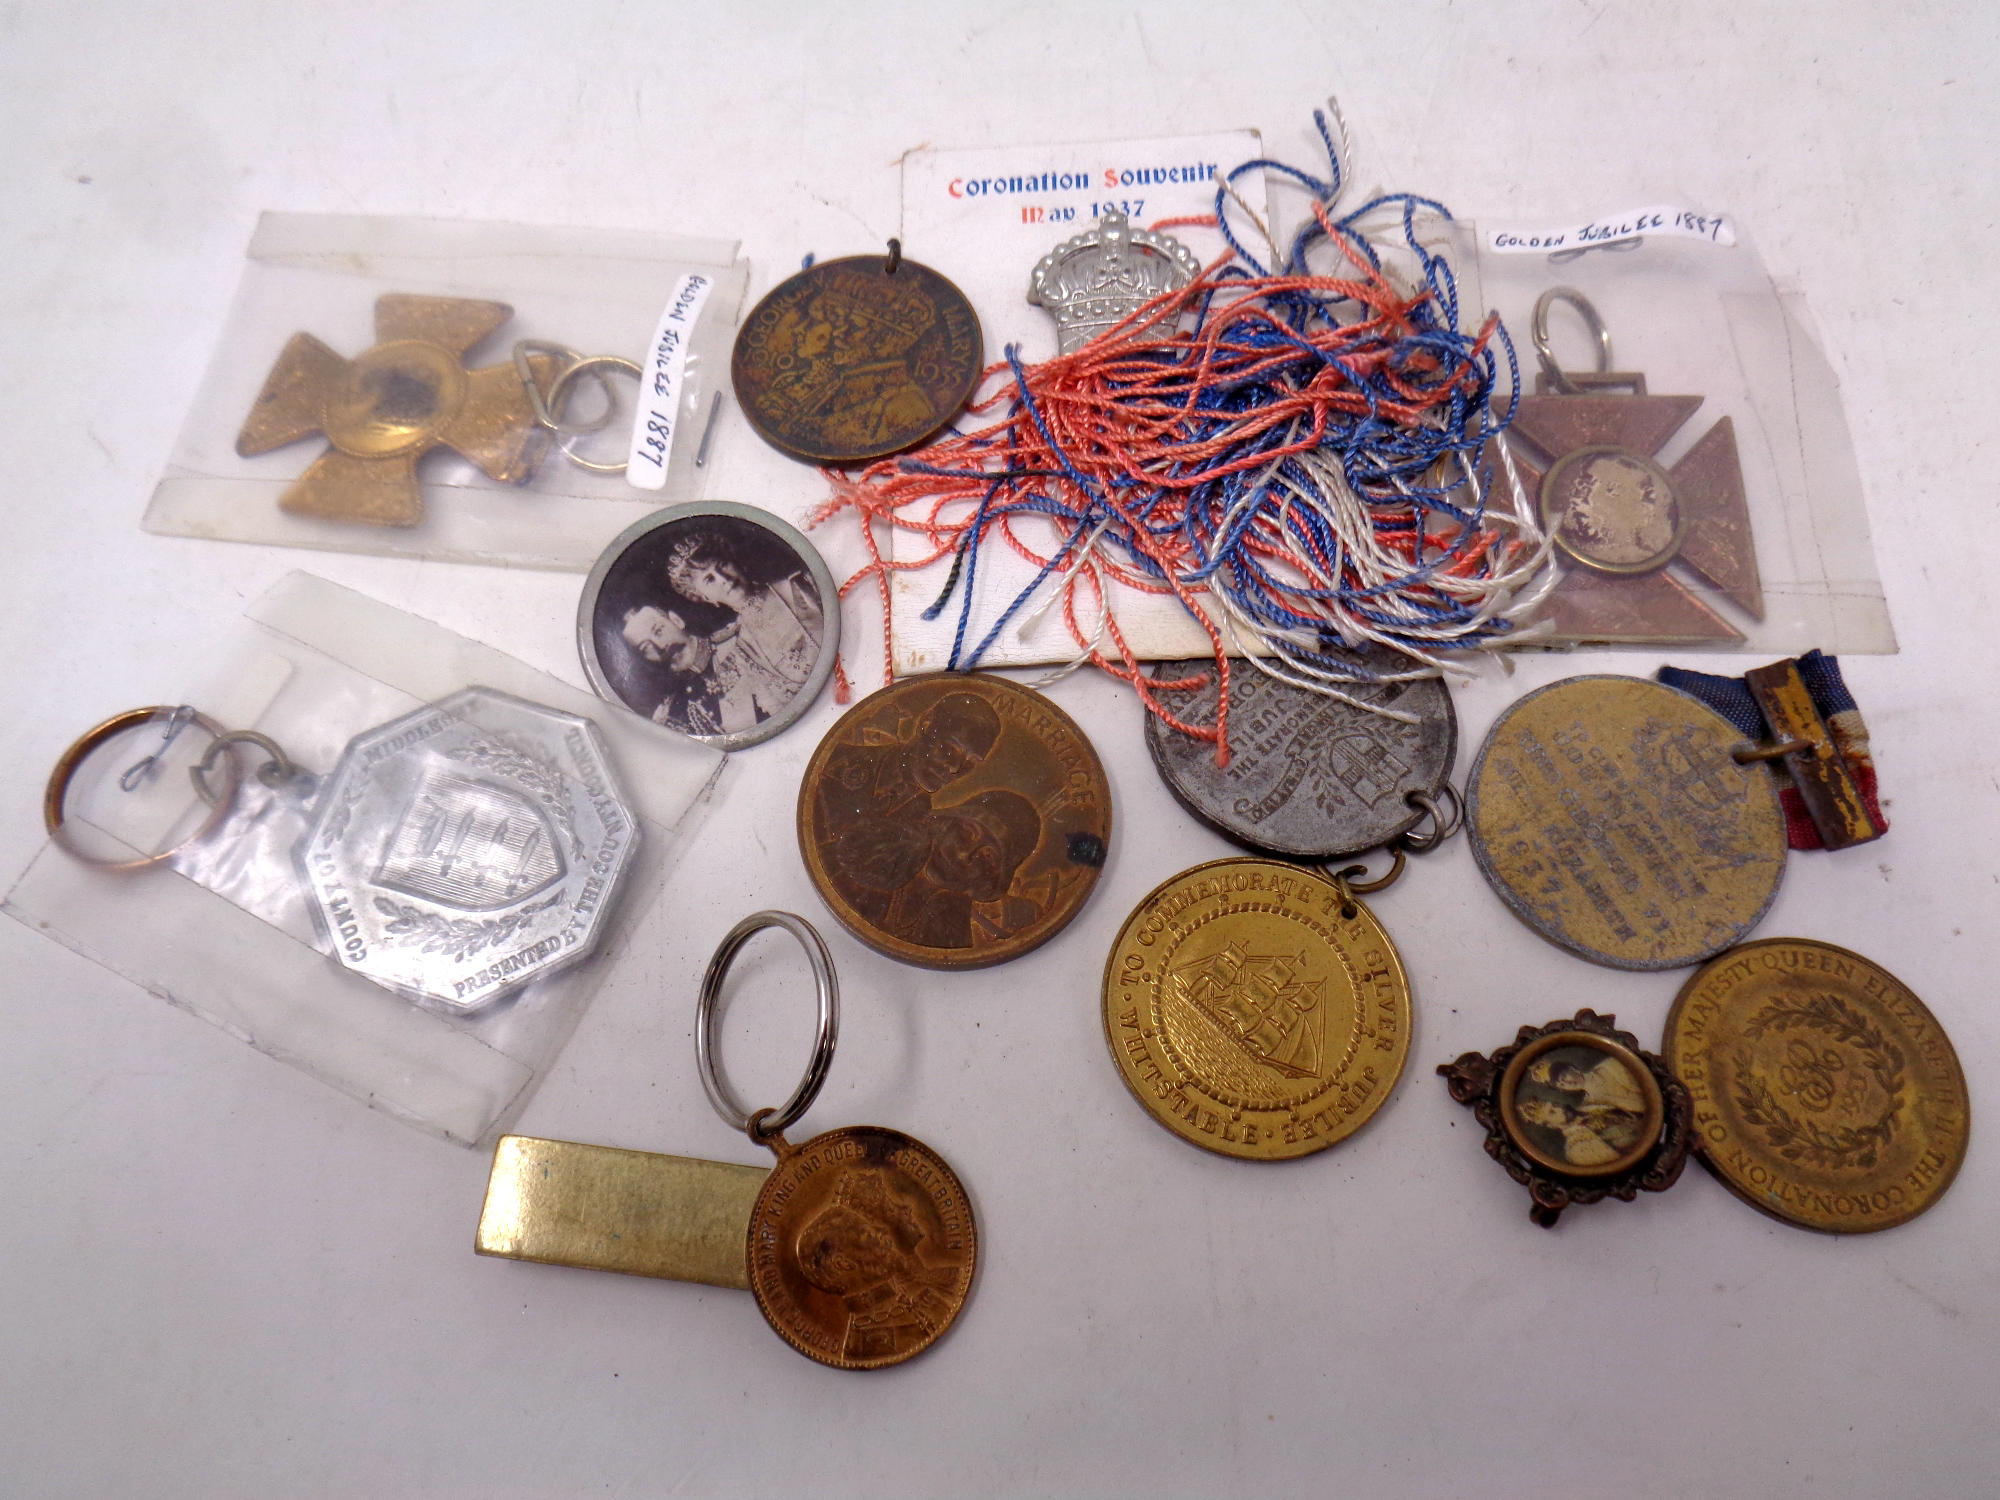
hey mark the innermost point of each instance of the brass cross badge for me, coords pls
(1641, 541)
(387, 407)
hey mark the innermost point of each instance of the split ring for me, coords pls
(1545, 352)
(594, 365)
(767, 1122)
(57, 791)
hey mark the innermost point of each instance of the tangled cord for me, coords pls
(1310, 454)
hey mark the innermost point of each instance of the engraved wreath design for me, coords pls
(526, 769)
(1798, 1138)
(461, 937)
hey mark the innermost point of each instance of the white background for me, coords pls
(218, 1277)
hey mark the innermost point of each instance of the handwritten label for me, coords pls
(1613, 229)
(660, 385)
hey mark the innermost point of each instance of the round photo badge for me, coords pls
(714, 619)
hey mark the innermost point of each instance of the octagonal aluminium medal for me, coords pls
(467, 848)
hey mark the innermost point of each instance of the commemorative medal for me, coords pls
(1310, 776)
(954, 821)
(412, 392)
(1634, 531)
(454, 854)
(716, 620)
(1257, 1009)
(859, 1245)
(855, 359)
(1576, 1112)
(1825, 1093)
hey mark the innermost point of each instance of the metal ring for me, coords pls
(558, 397)
(1443, 825)
(57, 791)
(275, 772)
(767, 1122)
(524, 367)
(1546, 353)
(1343, 877)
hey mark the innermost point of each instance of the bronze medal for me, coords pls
(1256, 1009)
(954, 821)
(1825, 1092)
(855, 359)
(1647, 543)
(862, 1247)
(1613, 817)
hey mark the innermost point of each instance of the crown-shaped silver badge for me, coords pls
(1106, 274)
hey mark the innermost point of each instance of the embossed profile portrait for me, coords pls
(1579, 1104)
(714, 620)
(869, 1246)
(954, 820)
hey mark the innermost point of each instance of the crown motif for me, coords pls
(1106, 274)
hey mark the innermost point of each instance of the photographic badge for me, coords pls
(714, 619)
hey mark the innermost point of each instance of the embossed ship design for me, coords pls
(1262, 1003)
(470, 845)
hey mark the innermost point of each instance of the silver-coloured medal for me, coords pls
(1099, 278)
(465, 849)
(1309, 777)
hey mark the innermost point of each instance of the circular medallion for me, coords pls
(849, 361)
(862, 1247)
(393, 399)
(465, 849)
(954, 821)
(714, 619)
(1825, 1093)
(1581, 1104)
(1309, 777)
(1612, 510)
(1256, 1010)
(1610, 816)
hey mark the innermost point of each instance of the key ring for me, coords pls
(57, 791)
(595, 365)
(767, 1123)
(1545, 352)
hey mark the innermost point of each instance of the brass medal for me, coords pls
(862, 1247)
(954, 821)
(855, 359)
(1256, 1009)
(1612, 817)
(1825, 1092)
(386, 408)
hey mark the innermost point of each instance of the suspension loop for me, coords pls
(1345, 878)
(1443, 824)
(278, 770)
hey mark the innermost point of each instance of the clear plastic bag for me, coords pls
(375, 389)
(225, 929)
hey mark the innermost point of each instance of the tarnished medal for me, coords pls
(1256, 1009)
(1576, 1112)
(412, 392)
(1097, 279)
(1626, 822)
(465, 849)
(856, 359)
(1825, 1092)
(1309, 776)
(1635, 532)
(954, 821)
(859, 1245)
